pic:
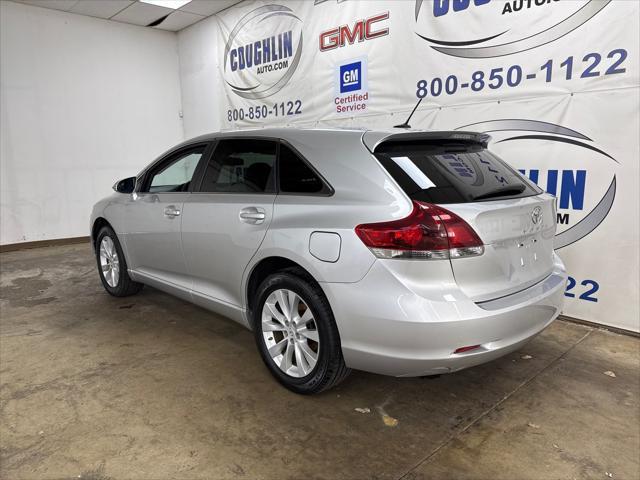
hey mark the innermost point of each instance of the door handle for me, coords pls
(171, 211)
(252, 215)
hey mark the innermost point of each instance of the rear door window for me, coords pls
(241, 166)
(452, 172)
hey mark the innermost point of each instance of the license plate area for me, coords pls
(528, 250)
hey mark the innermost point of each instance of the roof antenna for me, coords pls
(406, 122)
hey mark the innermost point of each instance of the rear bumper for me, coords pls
(386, 327)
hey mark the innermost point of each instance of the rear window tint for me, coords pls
(295, 175)
(452, 173)
(245, 166)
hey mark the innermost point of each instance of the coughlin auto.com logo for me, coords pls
(263, 51)
(582, 177)
(497, 28)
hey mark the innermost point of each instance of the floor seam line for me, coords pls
(494, 406)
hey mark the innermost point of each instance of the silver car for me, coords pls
(404, 253)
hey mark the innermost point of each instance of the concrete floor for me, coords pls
(150, 387)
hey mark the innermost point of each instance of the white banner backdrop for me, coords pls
(555, 82)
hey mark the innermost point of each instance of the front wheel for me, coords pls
(112, 265)
(297, 335)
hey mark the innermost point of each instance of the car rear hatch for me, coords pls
(514, 219)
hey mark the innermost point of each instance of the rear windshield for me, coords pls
(452, 172)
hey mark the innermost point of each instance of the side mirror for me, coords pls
(127, 185)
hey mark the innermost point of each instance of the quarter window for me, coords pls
(295, 175)
(177, 174)
(245, 166)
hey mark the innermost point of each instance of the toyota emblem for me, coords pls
(536, 215)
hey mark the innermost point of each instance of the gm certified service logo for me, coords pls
(350, 77)
(584, 190)
(351, 87)
(263, 51)
(494, 28)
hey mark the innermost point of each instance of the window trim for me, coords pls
(142, 184)
(198, 175)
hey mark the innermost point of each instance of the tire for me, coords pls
(313, 319)
(108, 250)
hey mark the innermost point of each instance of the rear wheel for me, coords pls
(297, 335)
(112, 265)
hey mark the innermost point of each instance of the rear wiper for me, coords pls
(501, 192)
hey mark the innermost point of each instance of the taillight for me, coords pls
(430, 232)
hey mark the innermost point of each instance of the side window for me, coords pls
(296, 176)
(245, 166)
(176, 175)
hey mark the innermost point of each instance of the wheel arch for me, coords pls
(98, 224)
(265, 267)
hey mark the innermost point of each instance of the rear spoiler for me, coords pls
(373, 140)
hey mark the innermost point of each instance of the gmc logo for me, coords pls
(361, 31)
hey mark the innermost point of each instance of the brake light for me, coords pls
(430, 232)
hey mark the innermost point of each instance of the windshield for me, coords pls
(452, 172)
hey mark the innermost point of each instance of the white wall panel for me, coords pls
(84, 102)
(199, 76)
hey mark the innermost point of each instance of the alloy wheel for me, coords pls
(109, 262)
(290, 333)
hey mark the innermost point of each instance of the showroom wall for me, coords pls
(556, 83)
(83, 102)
